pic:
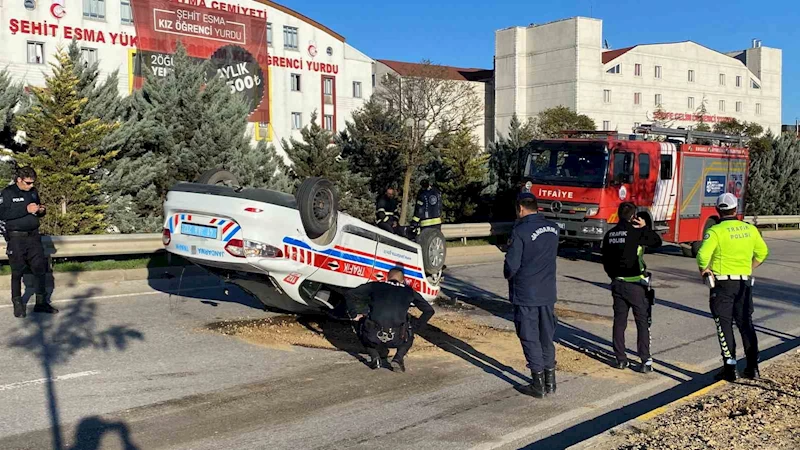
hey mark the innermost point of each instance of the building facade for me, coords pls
(481, 81)
(565, 63)
(311, 67)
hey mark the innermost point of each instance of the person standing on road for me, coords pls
(381, 308)
(428, 209)
(386, 211)
(623, 261)
(20, 209)
(530, 268)
(729, 253)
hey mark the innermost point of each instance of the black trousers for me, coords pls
(732, 301)
(536, 328)
(26, 252)
(377, 349)
(629, 296)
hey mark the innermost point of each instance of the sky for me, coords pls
(461, 33)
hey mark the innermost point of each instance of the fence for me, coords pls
(140, 244)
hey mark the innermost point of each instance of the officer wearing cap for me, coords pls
(729, 253)
(530, 268)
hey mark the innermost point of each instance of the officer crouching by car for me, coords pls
(530, 268)
(381, 308)
(623, 261)
(428, 209)
(731, 250)
(20, 209)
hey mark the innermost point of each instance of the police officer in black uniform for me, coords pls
(386, 211)
(623, 251)
(20, 209)
(381, 308)
(428, 210)
(530, 268)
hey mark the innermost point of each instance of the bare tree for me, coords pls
(430, 102)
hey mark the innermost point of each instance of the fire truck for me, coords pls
(673, 176)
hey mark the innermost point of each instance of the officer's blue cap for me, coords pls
(526, 195)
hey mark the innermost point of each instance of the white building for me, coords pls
(31, 32)
(481, 81)
(564, 63)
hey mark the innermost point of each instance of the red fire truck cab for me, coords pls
(581, 182)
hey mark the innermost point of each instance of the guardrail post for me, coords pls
(464, 240)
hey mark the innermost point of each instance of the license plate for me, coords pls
(561, 225)
(202, 231)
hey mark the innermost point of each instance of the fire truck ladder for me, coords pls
(689, 135)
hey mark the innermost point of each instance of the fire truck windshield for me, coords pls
(568, 163)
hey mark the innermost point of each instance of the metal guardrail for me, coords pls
(141, 244)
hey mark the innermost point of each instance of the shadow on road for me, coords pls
(91, 430)
(55, 339)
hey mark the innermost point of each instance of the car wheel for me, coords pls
(318, 203)
(434, 249)
(218, 177)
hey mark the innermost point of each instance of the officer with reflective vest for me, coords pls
(530, 268)
(428, 210)
(386, 211)
(623, 261)
(729, 253)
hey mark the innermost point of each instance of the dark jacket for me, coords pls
(385, 209)
(14, 209)
(530, 264)
(387, 303)
(623, 249)
(428, 210)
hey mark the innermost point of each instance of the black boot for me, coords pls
(19, 307)
(398, 365)
(727, 373)
(550, 381)
(751, 372)
(42, 306)
(536, 388)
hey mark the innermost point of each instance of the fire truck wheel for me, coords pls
(318, 204)
(219, 177)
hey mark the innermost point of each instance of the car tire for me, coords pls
(218, 176)
(434, 250)
(318, 204)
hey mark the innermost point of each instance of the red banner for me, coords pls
(233, 38)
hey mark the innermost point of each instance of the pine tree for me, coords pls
(465, 177)
(551, 122)
(317, 156)
(65, 152)
(258, 168)
(506, 165)
(13, 101)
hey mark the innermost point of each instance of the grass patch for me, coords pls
(492, 240)
(61, 265)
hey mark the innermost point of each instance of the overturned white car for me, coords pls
(293, 253)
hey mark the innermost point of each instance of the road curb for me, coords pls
(110, 276)
(637, 422)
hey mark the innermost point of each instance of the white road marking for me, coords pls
(69, 376)
(134, 294)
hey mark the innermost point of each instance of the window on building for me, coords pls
(357, 89)
(637, 70)
(658, 72)
(606, 95)
(35, 53)
(94, 9)
(636, 124)
(88, 56)
(125, 12)
(328, 122)
(290, 40)
(722, 79)
(758, 108)
(295, 82)
(690, 103)
(691, 76)
(754, 84)
(722, 106)
(658, 99)
(269, 34)
(328, 86)
(738, 81)
(606, 125)
(644, 165)
(297, 120)
(637, 98)
(374, 79)
(738, 106)
(614, 69)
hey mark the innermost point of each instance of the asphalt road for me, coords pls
(126, 365)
